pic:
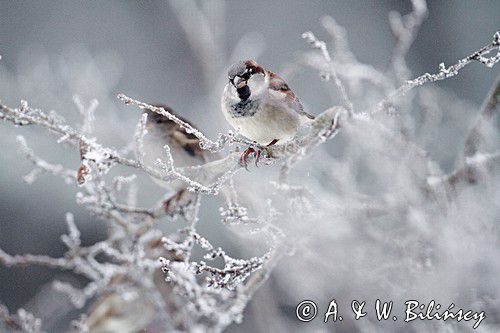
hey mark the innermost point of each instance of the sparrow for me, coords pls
(184, 147)
(261, 105)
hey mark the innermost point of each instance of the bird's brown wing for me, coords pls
(278, 84)
(188, 142)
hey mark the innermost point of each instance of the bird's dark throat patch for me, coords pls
(244, 93)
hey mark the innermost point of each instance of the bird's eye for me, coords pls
(246, 75)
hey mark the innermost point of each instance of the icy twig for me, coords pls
(320, 45)
(348, 67)
(405, 30)
(86, 113)
(101, 159)
(470, 172)
(41, 166)
(22, 321)
(205, 142)
(444, 72)
(80, 325)
(72, 239)
(490, 106)
(140, 133)
(235, 271)
(339, 36)
(32, 259)
(325, 126)
(97, 198)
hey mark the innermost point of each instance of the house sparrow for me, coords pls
(261, 105)
(184, 147)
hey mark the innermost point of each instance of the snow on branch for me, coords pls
(320, 45)
(138, 265)
(234, 273)
(405, 29)
(132, 255)
(205, 143)
(489, 108)
(23, 321)
(86, 113)
(445, 72)
(470, 172)
(345, 63)
(101, 159)
(140, 132)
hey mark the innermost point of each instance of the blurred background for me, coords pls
(52, 50)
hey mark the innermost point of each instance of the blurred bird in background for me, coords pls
(184, 147)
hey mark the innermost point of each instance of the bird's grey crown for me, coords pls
(237, 69)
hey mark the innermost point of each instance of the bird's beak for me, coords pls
(239, 82)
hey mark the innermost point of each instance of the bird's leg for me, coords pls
(244, 156)
(257, 157)
(256, 152)
(275, 141)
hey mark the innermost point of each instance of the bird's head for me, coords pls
(246, 77)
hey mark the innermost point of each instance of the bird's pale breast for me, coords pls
(265, 121)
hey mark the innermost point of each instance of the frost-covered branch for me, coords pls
(141, 278)
(99, 159)
(470, 172)
(321, 46)
(405, 30)
(234, 273)
(445, 72)
(86, 113)
(489, 108)
(22, 321)
(352, 71)
(131, 255)
(205, 143)
(140, 132)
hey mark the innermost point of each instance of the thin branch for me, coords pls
(444, 72)
(320, 45)
(104, 158)
(140, 133)
(469, 172)
(32, 259)
(490, 107)
(405, 30)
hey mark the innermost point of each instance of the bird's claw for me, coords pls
(257, 153)
(257, 157)
(246, 153)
